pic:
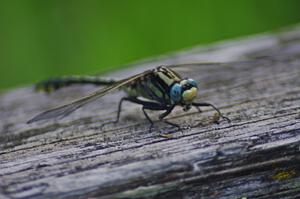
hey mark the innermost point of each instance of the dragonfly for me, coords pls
(158, 89)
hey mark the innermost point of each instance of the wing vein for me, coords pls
(64, 110)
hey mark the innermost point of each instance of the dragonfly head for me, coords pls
(184, 92)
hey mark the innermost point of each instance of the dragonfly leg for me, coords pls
(148, 118)
(120, 108)
(146, 105)
(165, 114)
(168, 111)
(156, 106)
(199, 110)
(149, 106)
(215, 108)
(118, 111)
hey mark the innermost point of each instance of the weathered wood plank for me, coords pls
(255, 156)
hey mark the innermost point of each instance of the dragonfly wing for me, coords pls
(65, 110)
(60, 111)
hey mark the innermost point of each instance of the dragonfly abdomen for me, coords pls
(57, 83)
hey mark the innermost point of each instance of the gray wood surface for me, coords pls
(254, 156)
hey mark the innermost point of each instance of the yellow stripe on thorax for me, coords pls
(168, 76)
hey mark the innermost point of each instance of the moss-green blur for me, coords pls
(47, 38)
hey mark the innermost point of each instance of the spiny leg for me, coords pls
(146, 105)
(215, 108)
(199, 110)
(148, 118)
(129, 99)
(155, 107)
(118, 112)
(120, 108)
(159, 107)
(165, 114)
(150, 106)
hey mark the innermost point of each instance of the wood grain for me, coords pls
(254, 156)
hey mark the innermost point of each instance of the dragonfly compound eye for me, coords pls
(188, 83)
(192, 83)
(175, 92)
(189, 95)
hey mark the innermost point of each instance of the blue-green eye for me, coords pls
(175, 92)
(192, 82)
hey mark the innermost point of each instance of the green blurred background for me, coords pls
(43, 38)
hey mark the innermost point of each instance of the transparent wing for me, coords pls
(183, 65)
(65, 110)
